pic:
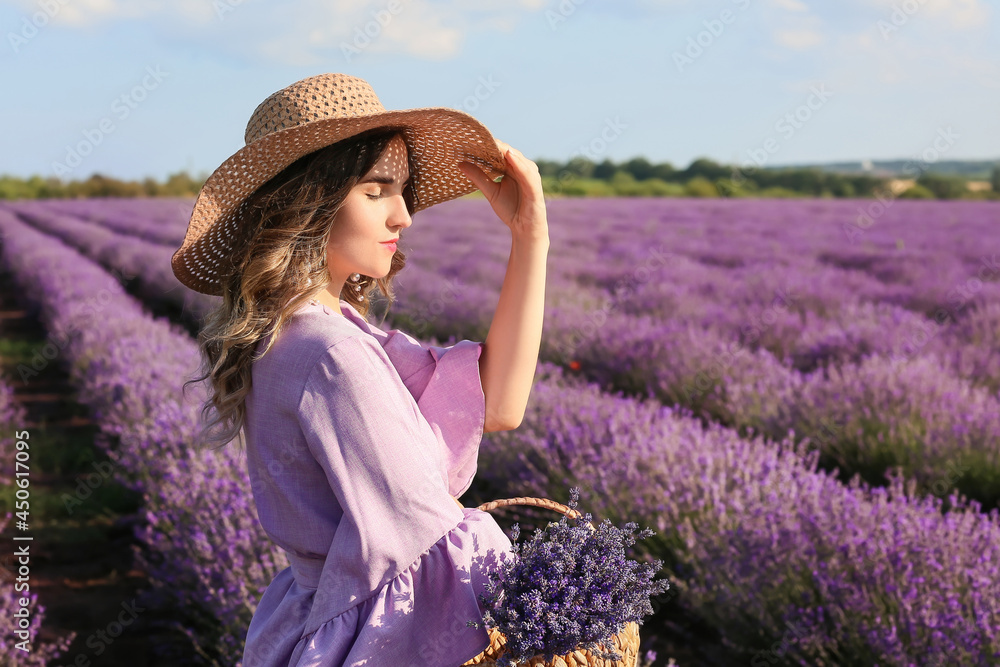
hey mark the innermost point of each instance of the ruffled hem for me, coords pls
(418, 618)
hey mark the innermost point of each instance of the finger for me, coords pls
(515, 151)
(525, 173)
(523, 160)
(478, 177)
(472, 172)
(525, 166)
(503, 170)
(513, 168)
(515, 161)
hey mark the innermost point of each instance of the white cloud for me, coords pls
(423, 33)
(959, 14)
(798, 39)
(914, 60)
(795, 28)
(305, 32)
(81, 13)
(790, 5)
(418, 29)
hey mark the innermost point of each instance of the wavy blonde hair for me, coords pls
(279, 263)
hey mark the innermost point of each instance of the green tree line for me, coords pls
(176, 185)
(707, 178)
(581, 177)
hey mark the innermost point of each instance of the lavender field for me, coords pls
(802, 397)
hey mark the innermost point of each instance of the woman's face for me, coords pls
(373, 212)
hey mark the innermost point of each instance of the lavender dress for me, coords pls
(357, 439)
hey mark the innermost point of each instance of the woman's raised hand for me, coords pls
(517, 199)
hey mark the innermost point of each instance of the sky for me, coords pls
(144, 88)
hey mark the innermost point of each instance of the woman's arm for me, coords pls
(510, 352)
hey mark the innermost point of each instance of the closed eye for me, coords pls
(378, 196)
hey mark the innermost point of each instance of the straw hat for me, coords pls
(304, 117)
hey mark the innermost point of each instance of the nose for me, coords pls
(400, 216)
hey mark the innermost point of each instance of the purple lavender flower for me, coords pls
(569, 587)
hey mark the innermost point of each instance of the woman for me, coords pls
(359, 441)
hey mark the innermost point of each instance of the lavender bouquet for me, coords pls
(570, 587)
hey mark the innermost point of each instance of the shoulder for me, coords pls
(307, 335)
(352, 374)
(310, 340)
(356, 356)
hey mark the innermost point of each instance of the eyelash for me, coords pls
(379, 195)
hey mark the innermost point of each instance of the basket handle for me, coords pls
(536, 502)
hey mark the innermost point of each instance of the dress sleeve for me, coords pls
(380, 458)
(404, 560)
(447, 386)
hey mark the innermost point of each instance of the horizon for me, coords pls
(934, 167)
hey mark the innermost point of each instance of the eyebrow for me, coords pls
(384, 180)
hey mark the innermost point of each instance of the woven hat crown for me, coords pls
(315, 98)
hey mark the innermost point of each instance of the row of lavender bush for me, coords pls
(724, 261)
(714, 265)
(207, 550)
(160, 220)
(763, 545)
(707, 490)
(15, 617)
(123, 254)
(765, 337)
(754, 326)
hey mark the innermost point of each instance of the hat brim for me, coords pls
(438, 138)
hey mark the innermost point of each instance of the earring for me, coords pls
(356, 278)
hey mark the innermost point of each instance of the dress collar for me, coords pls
(347, 310)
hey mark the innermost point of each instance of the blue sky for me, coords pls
(147, 88)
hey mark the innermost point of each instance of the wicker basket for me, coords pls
(626, 642)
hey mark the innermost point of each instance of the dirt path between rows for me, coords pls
(82, 562)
